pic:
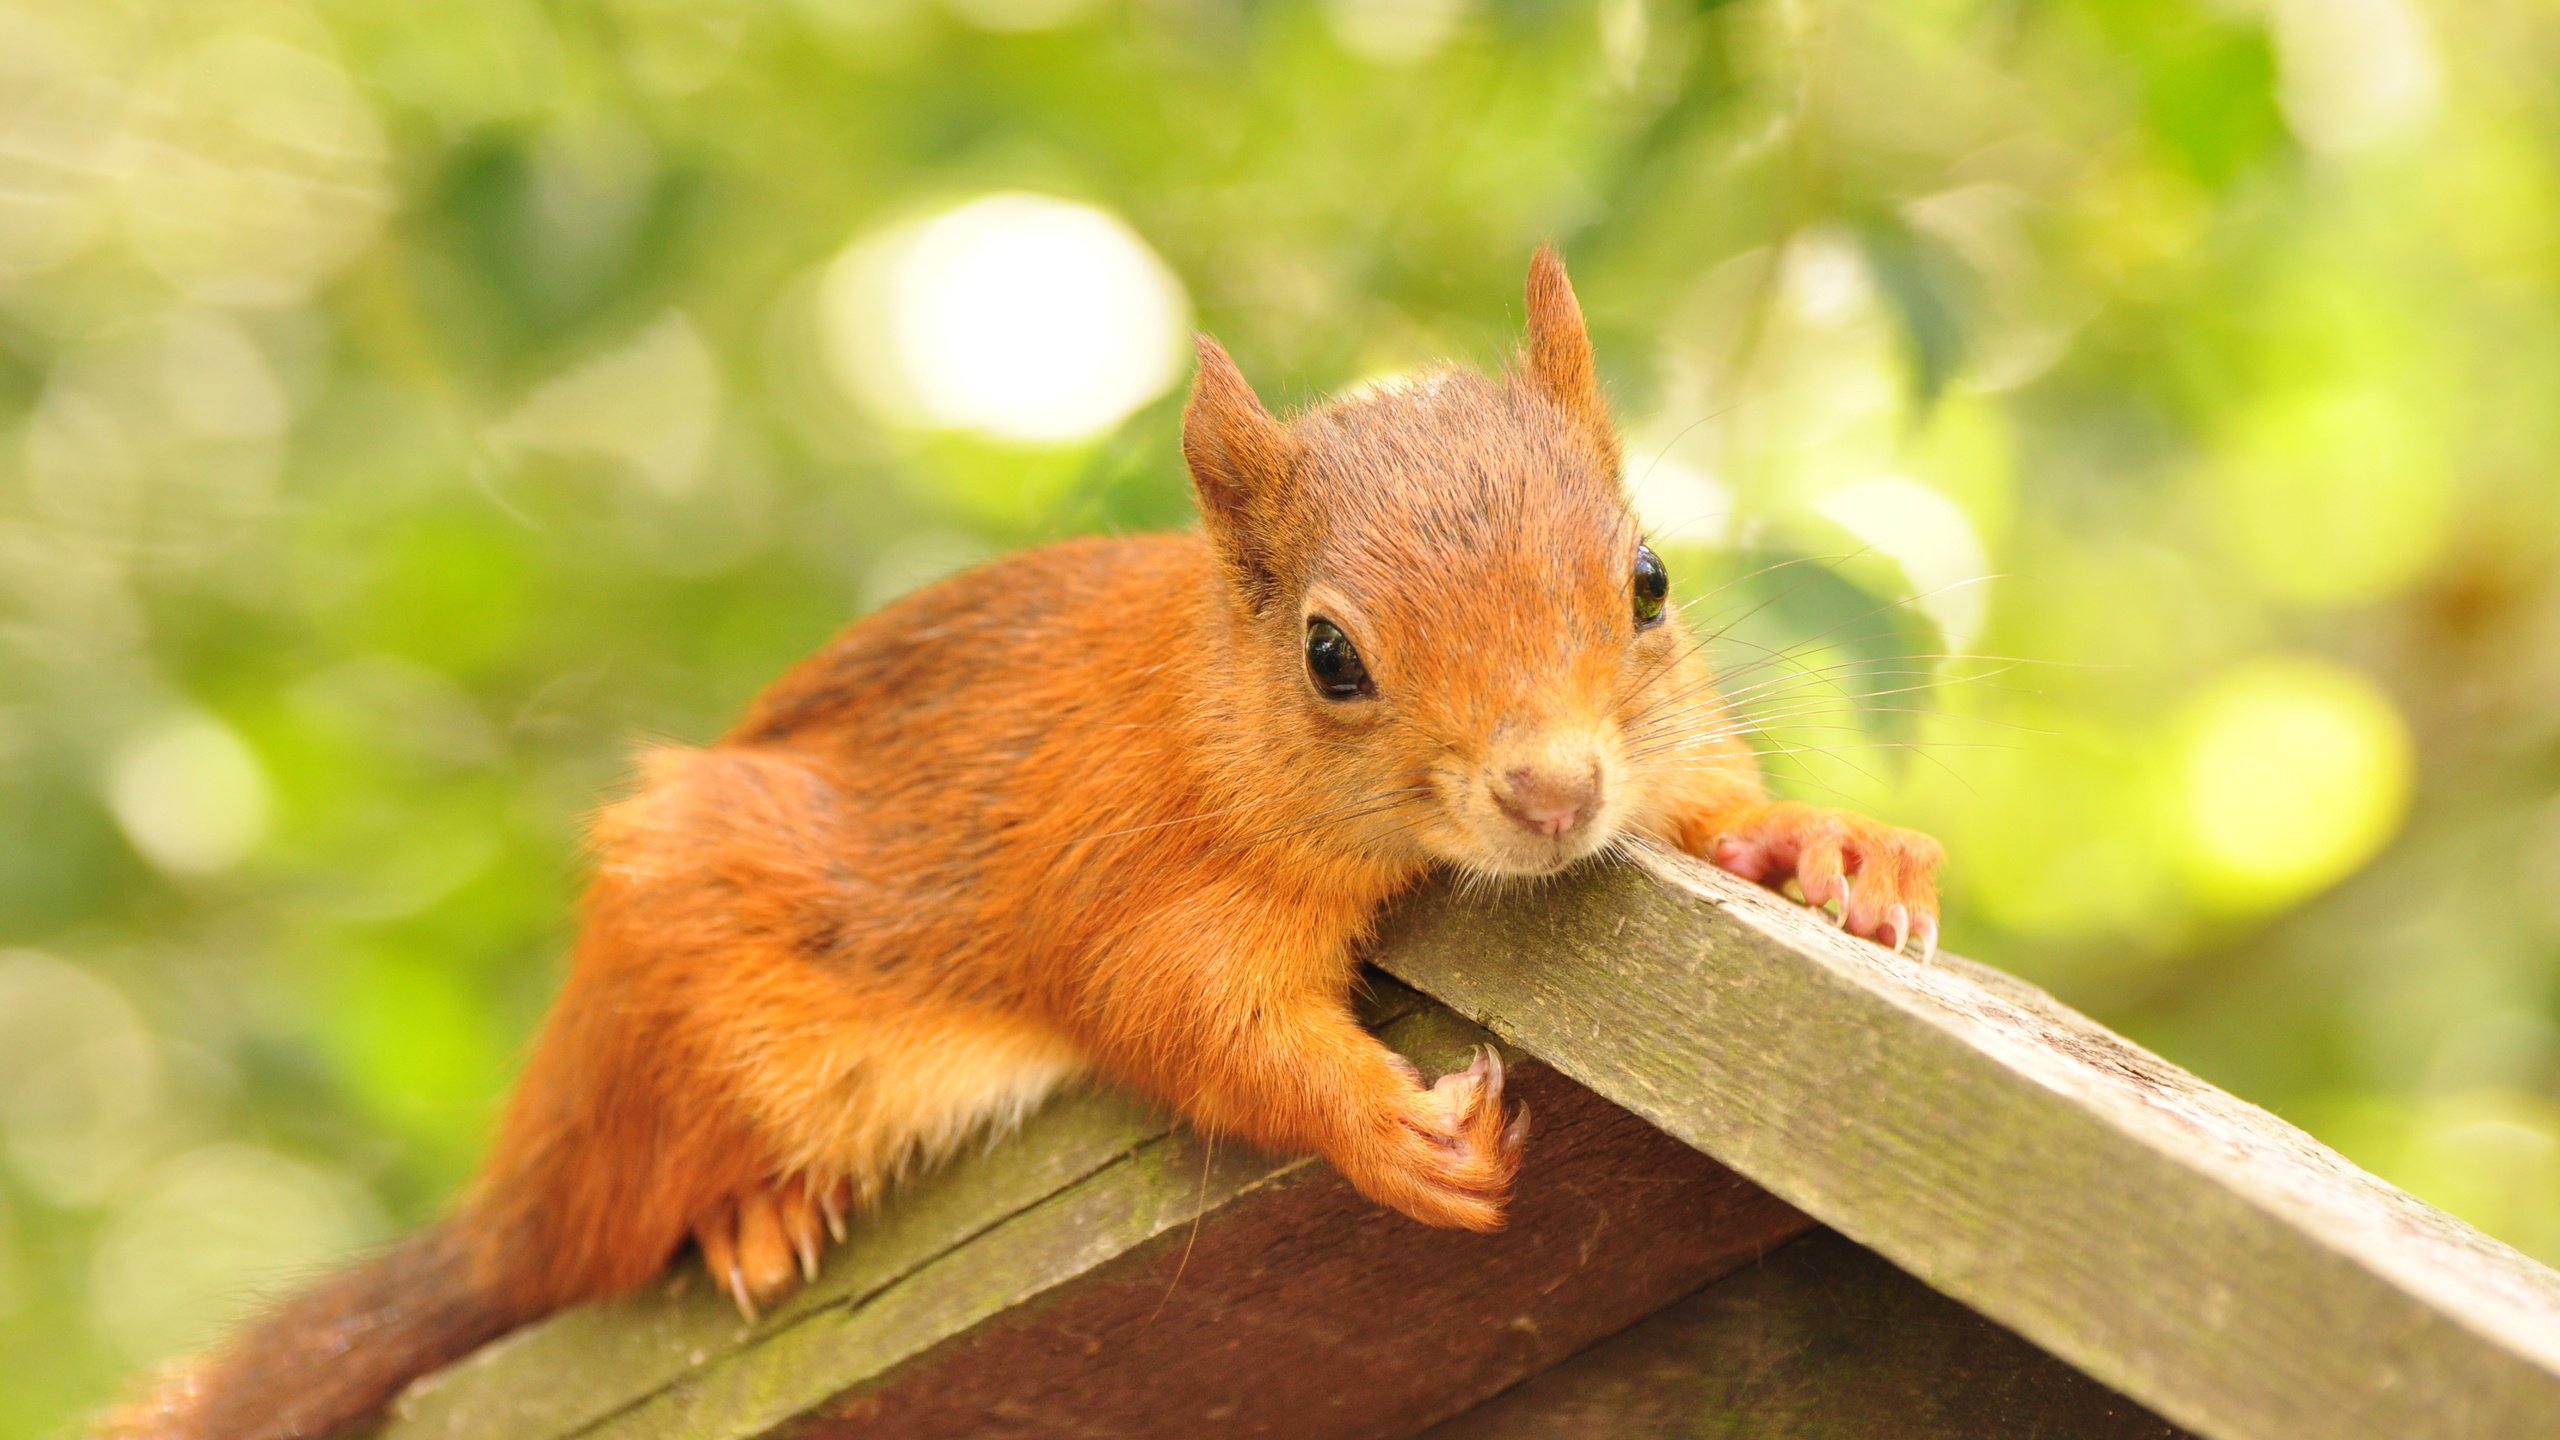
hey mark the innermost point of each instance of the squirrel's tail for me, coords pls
(330, 1358)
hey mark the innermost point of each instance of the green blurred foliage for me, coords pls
(405, 410)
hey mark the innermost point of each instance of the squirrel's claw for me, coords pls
(831, 1205)
(717, 1236)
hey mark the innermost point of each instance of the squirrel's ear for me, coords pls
(1558, 356)
(1241, 461)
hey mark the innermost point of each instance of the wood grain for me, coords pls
(2195, 1253)
(1819, 1341)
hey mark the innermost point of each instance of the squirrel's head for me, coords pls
(1443, 597)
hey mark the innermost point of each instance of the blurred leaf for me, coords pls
(1924, 285)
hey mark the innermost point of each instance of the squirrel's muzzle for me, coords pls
(1549, 798)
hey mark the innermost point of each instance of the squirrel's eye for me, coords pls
(1333, 664)
(1652, 587)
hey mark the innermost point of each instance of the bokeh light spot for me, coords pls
(2296, 771)
(259, 173)
(1394, 32)
(1826, 278)
(2353, 72)
(1023, 317)
(170, 434)
(81, 1087)
(189, 794)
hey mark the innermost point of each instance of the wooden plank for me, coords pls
(2193, 1252)
(1819, 1341)
(561, 1375)
(1163, 1291)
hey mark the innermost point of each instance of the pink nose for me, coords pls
(1551, 802)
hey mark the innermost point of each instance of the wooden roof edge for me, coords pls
(2193, 1251)
(2198, 1255)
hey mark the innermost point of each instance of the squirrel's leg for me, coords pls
(705, 1046)
(1248, 1030)
(1884, 879)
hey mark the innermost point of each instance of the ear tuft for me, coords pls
(1557, 359)
(1241, 461)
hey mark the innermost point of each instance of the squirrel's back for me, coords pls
(1001, 646)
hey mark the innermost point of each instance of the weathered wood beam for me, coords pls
(2196, 1253)
(1820, 1340)
(1103, 1274)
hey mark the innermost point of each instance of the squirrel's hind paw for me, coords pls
(762, 1245)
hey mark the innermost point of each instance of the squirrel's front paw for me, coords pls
(1885, 878)
(761, 1245)
(1444, 1154)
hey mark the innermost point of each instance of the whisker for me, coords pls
(1318, 823)
(1648, 725)
(1862, 667)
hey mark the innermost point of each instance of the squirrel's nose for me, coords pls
(1551, 800)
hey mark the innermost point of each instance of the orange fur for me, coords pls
(1084, 810)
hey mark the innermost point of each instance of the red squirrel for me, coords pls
(1119, 808)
